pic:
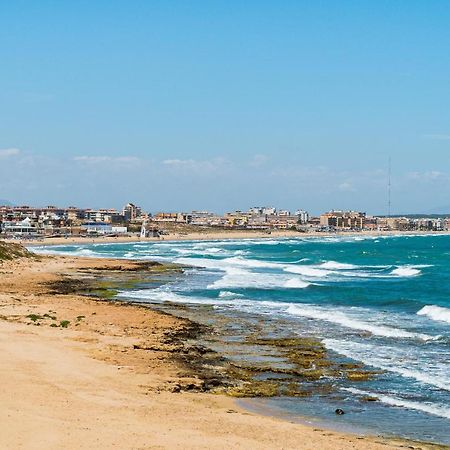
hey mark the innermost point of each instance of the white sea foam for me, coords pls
(86, 252)
(251, 263)
(438, 313)
(238, 261)
(163, 295)
(241, 242)
(434, 409)
(225, 263)
(236, 277)
(45, 251)
(354, 323)
(214, 250)
(226, 299)
(307, 271)
(202, 262)
(53, 250)
(296, 283)
(328, 271)
(250, 306)
(333, 265)
(229, 295)
(238, 273)
(392, 360)
(185, 251)
(406, 271)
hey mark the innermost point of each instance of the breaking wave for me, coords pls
(437, 313)
(347, 321)
(240, 278)
(390, 359)
(406, 271)
(436, 410)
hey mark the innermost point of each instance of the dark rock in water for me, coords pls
(339, 412)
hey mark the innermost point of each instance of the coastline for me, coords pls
(109, 377)
(218, 235)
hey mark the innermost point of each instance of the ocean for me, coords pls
(380, 301)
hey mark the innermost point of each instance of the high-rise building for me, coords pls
(131, 212)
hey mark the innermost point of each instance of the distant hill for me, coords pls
(426, 216)
(4, 202)
(440, 210)
(420, 216)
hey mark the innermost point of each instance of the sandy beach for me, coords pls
(211, 234)
(80, 372)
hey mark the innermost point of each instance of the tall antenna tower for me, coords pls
(389, 188)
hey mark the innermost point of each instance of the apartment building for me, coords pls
(131, 212)
(351, 220)
(303, 216)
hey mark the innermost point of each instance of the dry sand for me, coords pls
(87, 386)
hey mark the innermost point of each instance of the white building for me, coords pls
(262, 211)
(303, 216)
(22, 228)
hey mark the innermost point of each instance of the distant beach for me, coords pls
(211, 234)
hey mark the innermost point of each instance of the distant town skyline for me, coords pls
(259, 210)
(53, 221)
(194, 105)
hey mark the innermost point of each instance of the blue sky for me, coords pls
(225, 105)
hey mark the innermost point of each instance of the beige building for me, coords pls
(343, 219)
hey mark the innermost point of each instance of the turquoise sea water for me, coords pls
(382, 301)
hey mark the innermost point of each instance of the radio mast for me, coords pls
(389, 187)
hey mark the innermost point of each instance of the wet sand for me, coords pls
(80, 372)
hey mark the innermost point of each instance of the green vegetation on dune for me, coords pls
(9, 251)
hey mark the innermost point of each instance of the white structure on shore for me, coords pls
(21, 228)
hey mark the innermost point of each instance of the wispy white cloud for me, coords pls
(8, 152)
(437, 137)
(28, 177)
(346, 186)
(205, 166)
(258, 160)
(430, 175)
(302, 173)
(107, 159)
